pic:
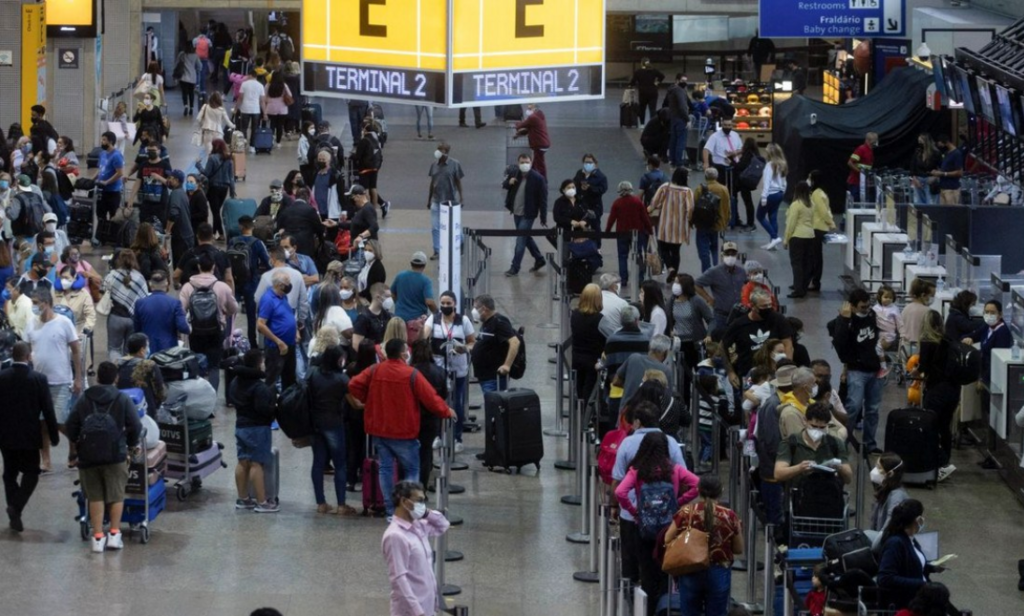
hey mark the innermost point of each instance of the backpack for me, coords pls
(99, 442)
(375, 157)
(203, 311)
(518, 368)
(286, 49)
(818, 494)
(655, 505)
(30, 219)
(606, 454)
(293, 410)
(751, 176)
(318, 144)
(706, 210)
(64, 186)
(203, 48)
(963, 362)
(179, 68)
(653, 188)
(8, 338)
(240, 256)
(377, 113)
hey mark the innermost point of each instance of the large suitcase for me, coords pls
(200, 464)
(200, 436)
(157, 463)
(912, 433)
(513, 429)
(312, 112)
(233, 210)
(108, 232)
(239, 159)
(627, 116)
(271, 478)
(263, 139)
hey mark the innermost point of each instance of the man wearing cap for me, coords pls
(525, 199)
(46, 245)
(445, 186)
(179, 221)
(37, 275)
(275, 202)
(61, 237)
(363, 224)
(160, 316)
(722, 285)
(707, 239)
(414, 295)
(20, 212)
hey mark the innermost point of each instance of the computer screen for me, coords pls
(968, 93)
(988, 110)
(938, 73)
(953, 92)
(929, 543)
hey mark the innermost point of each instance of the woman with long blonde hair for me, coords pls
(772, 190)
(587, 339)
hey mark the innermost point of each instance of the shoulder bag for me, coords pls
(688, 552)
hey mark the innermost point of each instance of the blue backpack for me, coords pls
(655, 505)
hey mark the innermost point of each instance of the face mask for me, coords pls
(287, 288)
(51, 226)
(5, 295)
(677, 289)
(447, 310)
(991, 319)
(312, 132)
(67, 282)
(346, 294)
(190, 186)
(4, 184)
(863, 314)
(369, 256)
(758, 278)
(288, 253)
(36, 310)
(529, 111)
(779, 356)
(524, 167)
(475, 314)
(153, 155)
(726, 130)
(438, 154)
(570, 192)
(388, 304)
(816, 434)
(928, 300)
(729, 260)
(589, 167)
(418, 510)
(764, 312)
(147, 102)
(920, 524)
(877, 476)
(48, 251)
(276, 195)
(40, 273)
(320, 164)
(810, 184)
(26, 148)
(814, 388)
(824, 387)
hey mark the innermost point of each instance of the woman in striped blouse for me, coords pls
(673, 205)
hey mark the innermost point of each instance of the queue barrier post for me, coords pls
(559, 427)
(569, 464)
(750, 526)
(441, 541)
(769, 577)
(592, 529)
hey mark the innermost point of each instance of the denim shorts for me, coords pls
(61, 397)
(253, 444)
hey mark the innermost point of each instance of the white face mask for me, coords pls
(312, 132)
(148, 102)
(369, 256)
(438, 154)
(346, 294)
(779, 356)
(877, 476)
(475, 315)
(990, 319)
(524, 167)
(729, 261)
(529, 111)
(418, 511)
(928, 300)
(388, 304)
(288, 253)
(814, 390)
(816, 434)
(758, 278)
(677, 289)
(570, 192)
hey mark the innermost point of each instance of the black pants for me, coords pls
(428, 432)
(248, 123)
(943, 398)
(800, 259)
(748, 204)
(188, 94)
(277, 123)
(108, 203)
(212, 346)
(691, 357)
(355, 436)
(817, 260)
(280, 366)
(24, 463)
(476, 116)
(670, 255)
(216, 195)
(630, 535)
(648, 103)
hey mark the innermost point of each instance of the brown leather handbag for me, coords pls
(688, 552)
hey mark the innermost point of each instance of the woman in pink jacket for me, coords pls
(652, 466)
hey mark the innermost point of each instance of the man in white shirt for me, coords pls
(612, 304)
(252, 104)
(722, 151)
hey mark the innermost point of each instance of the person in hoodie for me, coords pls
(209, 343)
(104, 477)
(72, 291)
(255, 405)
(135, 370)
(855, 336)
(160, 316)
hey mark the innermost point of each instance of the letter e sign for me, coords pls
(522, 29)
(365, 27)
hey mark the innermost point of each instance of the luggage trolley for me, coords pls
(810, 531)
(515, 145)
(188, 467)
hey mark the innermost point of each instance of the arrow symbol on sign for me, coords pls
(892, 25)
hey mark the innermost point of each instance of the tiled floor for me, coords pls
(205, 558)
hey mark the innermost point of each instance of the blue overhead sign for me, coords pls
(832, 18)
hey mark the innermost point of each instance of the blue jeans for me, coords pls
(706, 593)
(407, 453)
(677, 142)
(492, 385)
(924, 194)
(458, 399)
(768, 215)
(329, 443)
(863, 399)
(523, 243)
(707, 248)
(204, 74)
(429, 112)
(623, 246)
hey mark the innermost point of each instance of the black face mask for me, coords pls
(726, 130)
(321, 164)
(106, 146)
(287, 288)
(154, 155)
(765, 313)
(447, 310)
(41, 273)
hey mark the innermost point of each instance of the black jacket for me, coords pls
(364, 218)
(900, 571)
(264, 207)
(327, 398)
(302, 221)
(26, 393)
(535, 201)
(591, 197)
(959, 325)
(121, 408)
(565, 212)
(855, 341)
(255, 403)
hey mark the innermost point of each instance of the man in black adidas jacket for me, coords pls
(855, 337)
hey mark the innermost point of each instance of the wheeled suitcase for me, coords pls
(108, 232)
(263, 139)
(233, 210)
(200, 436)
(156, 461)
(312, 112)
(513, 429)
(200, 464)
(239, 159)
(271, 478)
(373, 494)
(627, 116)
(912, 433)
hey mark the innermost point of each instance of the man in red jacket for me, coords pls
(393, 393)
(535, 127)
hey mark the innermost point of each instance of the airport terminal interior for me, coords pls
(204, 557)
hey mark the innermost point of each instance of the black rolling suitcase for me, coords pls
(513, 429)
(912, 433)
(627, 116)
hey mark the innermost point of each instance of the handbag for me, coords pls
(105, 304)
(288, 99)
(197, 139)
(688, 552)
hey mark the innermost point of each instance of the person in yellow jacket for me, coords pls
(799, 238)
(823, 223)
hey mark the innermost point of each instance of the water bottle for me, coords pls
(1015, 351)
(860, 243)
(940, 285)
(907, 251)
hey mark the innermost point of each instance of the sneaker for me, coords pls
(883, 371)
(431, 137)
(324, 508)
(244, 503)
(435, 256)
(437, 443)
(384, 207)
(15, 519)
(252, 150)
(539, 265)
(946, 471)
(274, 426)
(768, 246)
(99, 544)
(459, 448)
(267, 507)
(115, 541)
(511, 274)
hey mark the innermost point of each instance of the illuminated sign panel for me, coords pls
(71, 18)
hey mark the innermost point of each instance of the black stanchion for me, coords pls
(441, 542)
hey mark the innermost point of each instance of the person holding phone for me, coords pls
(407, 551)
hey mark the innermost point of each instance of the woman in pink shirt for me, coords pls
(652, 464)
(407, 551)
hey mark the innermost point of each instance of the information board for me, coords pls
(832, 18)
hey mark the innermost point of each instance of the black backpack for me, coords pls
(64, 186)
(518, 368)
(818, 494)
(706, 210)
(317, 145)
(203, 311)
(30, 219)
(99, 442)
(294, 410)
(240, 256)
(375, 157)
(286, 49)
(963, 362)
(653, 188)
(751, 176)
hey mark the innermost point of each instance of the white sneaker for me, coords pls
(768, 246)
(946, 471)
(459, 448)
(252, 150)
(99, 545)
(115, 541)
(437, 442)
